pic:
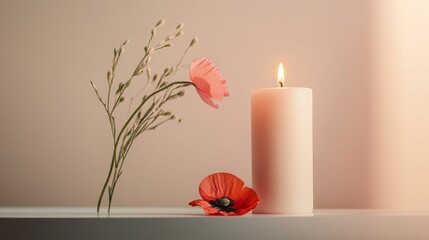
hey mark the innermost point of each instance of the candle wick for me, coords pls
(281, 84)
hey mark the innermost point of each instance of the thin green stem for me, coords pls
(121, 159)
(181, 59)
(100, 199)
(142, 120)
(108, 96)
(145, 100)
(128, 147)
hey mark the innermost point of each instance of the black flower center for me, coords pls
(223, 204)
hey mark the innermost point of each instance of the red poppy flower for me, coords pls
(208, 80)
(225, 194)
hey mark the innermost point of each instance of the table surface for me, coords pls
(159, 212)
(190, 223)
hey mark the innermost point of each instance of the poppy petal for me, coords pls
(208, 80)
(225, 194)
(223, 213)
(220, 185)
(247, 201)
(207, 100)
(206, 206)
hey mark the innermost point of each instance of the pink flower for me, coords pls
(225, 194)
(208, 80)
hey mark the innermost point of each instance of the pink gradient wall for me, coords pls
(399, 151)
(364, 60)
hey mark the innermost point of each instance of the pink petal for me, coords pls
(208, 80)
(207, 100)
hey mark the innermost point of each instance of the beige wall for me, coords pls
(400, 153)
(370, 113)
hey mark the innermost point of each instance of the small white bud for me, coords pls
(139, 72)
(160, 23)
(180, 26)
(179, 34)
(109, 76)
(194, 41)
(163, 84)
(164, 46)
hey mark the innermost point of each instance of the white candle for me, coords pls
(282, 149)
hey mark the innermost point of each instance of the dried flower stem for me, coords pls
(148, 115)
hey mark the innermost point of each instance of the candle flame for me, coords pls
(281, 75)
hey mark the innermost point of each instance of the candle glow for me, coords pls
(281, 75)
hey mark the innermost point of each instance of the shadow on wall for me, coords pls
(342, 106)
(399, 116)
(374, 118)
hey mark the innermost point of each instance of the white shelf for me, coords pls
(190, 223)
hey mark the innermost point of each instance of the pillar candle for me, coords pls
(282, 149)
